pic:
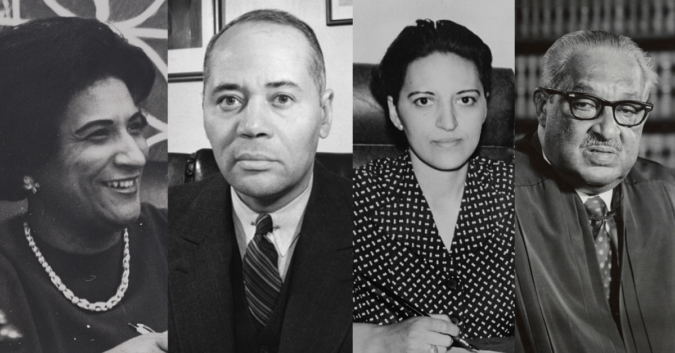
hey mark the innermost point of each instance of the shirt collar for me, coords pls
(605, 196)
(287, 221)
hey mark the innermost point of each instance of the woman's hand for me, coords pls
(462, 350)
(417, 334)
(148, 343)
(8, 333)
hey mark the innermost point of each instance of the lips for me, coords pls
(126, 185)
(602, 149)
(254, 161)
(447, 142)
(247, 156)
(599, 155)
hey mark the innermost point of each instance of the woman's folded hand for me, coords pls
(148, 343)
(462, 350)
(8, 333)
(417, 334)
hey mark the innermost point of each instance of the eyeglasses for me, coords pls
(586, 106)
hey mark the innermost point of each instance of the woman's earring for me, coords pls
(30, 184)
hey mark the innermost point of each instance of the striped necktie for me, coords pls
(597, 211)
(261, 275)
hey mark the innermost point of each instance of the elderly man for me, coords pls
(261, 255)
(595, 233)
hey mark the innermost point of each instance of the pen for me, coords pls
(462, 343)
(142, 329)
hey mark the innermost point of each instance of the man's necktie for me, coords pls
(597, 211)
(261, 275)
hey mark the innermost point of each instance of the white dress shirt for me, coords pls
(287, 224)
(605, 196)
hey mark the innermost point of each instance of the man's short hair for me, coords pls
(555, 72)
(317, 67)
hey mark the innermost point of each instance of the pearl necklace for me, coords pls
(81, 302)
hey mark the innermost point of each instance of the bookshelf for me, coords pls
(650, 23)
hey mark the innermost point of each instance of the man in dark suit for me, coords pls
(261, 256)
(595, 270)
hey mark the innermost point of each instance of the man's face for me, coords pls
(263, 113)
(593, 155)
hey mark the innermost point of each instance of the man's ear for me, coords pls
(540, 99)
(326, 113)
(393, 113)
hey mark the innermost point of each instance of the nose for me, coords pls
(254, 119)
(606, 126)
(447, 117)
(132, 152)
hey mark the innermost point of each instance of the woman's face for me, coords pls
(441, 108)
(94, 176)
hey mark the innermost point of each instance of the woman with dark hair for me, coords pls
(86, 259)
(433, 228)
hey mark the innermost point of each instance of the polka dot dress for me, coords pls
(397, 246)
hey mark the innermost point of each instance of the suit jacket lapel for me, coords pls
(203, 272)
(320, 303)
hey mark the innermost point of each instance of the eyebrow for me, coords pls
(103, 122)
(226, 87)
(237, 87)
(431, 93)
(420, 92)
(584, 88)
(469, 91)
(284, 83)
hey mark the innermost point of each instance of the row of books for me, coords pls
(549, 19)
(528, 74)
(659, 148)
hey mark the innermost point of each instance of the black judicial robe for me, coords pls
(560, 305)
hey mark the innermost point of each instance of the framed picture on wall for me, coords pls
(339, 12)
(192, 23)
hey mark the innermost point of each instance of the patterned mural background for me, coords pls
(142, 22)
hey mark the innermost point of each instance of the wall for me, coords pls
(186, 132)
(377, 24)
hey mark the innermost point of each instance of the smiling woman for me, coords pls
(94, 174)
(87, 258)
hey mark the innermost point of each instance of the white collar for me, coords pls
(605, 196)
(287, 220)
